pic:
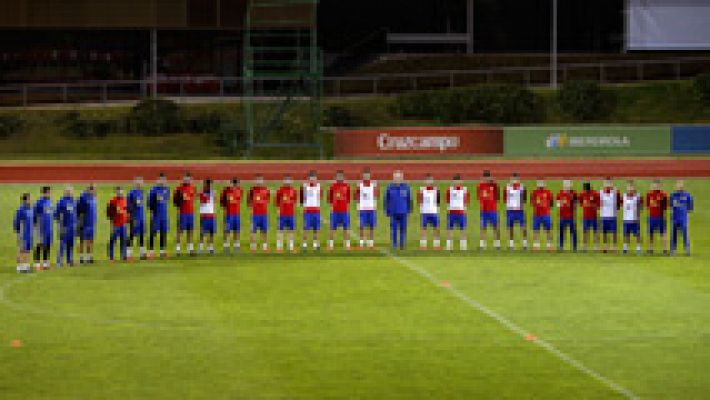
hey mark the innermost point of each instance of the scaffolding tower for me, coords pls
(283, 69)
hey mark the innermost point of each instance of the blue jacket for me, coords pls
(65, 213)
(682, 204)
(43, 215)
(86, 210)
(398, 199)
(22, 224)
(135, 205)
(158, 200)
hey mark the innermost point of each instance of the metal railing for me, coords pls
(231, 88)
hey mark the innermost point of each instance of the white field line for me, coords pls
(508, 324)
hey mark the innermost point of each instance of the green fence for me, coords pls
(587, 140)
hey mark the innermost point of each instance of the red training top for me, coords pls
(568, 204)
(286, 198)
(488, 196)
(118, 211)
(542, 202)
(590, 202)
(258, 199)
(231, 199)
(339, 197)
(657, 203)
(184, 198)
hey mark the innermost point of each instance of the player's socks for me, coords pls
(290, 245)
(437, 244)
(45, 265)
(305, 246)
(449, 245)
(190, 248)
(237, 246)
(129, 252)
(177, 250)
(143, 253)
(549, 246)
(330, 245)
(525, 244)
(265, 246)
(626, 248)
(362, 243)
(316, 245)
(163, 253)
(371, 244)
(38, 266)
(463, 244)
(496, 244)
(347, 245)
(511, 244)
(226, 247)
(423, 244)
(483, 244)
(536, 246)
(202, 248)
(638, 249)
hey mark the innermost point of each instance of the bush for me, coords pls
(155, 117)
(9, 125)
(339, 116)
(485, 103)
(204, 122)
(701, 84)
(584, 100)
(77, 125)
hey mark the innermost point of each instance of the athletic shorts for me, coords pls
(287, 223)
(608, 225)
(259, 223)
(25, 242)
(489, 219)
(208, 225)
(515, 217)
(632, 228)
(311, 221)
(86, 232)
(187, 222)
(137, 227)
(338, 219)
(430, 220)
(232, 223)
(590, 225)
(368, 219)
(459, 221)
(657, 224)
(159, 225)
(542, 223)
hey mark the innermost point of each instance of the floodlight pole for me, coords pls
(553, 45)
(469, 26)
(154, 62)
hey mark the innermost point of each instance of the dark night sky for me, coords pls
(500, 25)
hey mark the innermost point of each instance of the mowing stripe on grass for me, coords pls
(511, 326)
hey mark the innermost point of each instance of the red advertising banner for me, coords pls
(397, 142)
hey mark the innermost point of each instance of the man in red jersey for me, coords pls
(258, 199)
(657, 204)
(286, 198)
(488, 195)
(541, 201)
(339, 200)
(590, 202)
(184, 200)
(117, 212)
(567, 204)
(231, 199)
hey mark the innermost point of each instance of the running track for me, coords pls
(116, 172)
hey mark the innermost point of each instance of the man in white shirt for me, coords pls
(610, 201)
(632, 205)
(429, 201)
(515, 197)
(458, 199)
(366, 195)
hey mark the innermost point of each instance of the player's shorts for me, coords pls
(590, 225)
(137, 227)
(119, 232)
(45, 238)
(567, 224)
(287, 223)
(455, 220)
(680, 224)
(311, 221)
(632, 228)
(208, 225)
(608, 225)
(657, 224)
(232, 223)
(430, 220)
(338, 219)
(259, 223)
(159, 225)
(66, 233)
(368, 219)
(186, 222)
(515, 217)
(489, 219)
(542, 223)
(25, 242)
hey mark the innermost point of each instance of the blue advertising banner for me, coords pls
(690, 139)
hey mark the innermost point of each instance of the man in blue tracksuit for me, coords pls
(158, 200)
(398, 205)
(23, 227)
(86, 211)
(137, 222)
(43, 221)
(65, 214)
(682, 205)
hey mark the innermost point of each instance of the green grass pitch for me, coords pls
(359, 325)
